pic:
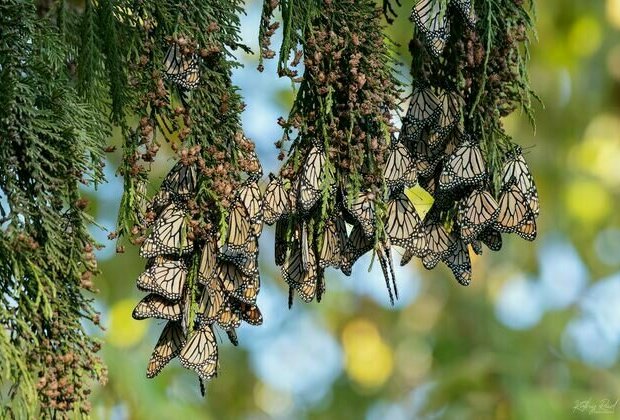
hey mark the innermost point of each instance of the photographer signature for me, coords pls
(590, 406)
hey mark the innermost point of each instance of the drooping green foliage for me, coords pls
(336, 138)
(51, 143)
(469, 72)
(202, 226)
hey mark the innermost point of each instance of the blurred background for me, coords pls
(537, 332)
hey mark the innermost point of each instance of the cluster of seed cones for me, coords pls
(197, 278)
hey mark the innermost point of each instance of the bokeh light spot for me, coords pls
(369, 361)
(274, 402)
(123, 330)
(518, 305)
(607, 246)
(587, 201)
(585, 36)
(613, 12)
(613, 62)
(598, 153)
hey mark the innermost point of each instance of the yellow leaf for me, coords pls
(421, 199)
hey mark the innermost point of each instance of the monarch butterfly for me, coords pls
(165, 278)
(251, 162)
(426, 160)
(450, 111)
(230, 277)
(303, 281)
(181, 181)
(453, 142)
(362, 210)
(293, 195)
(516, 168)
(429, 184)
(281, 241)
(465, 167)
(459, 262)
(275, 201)
(169, 235)
(186, 307)
(403, 225)
(528, 229)
(249, 194)
(476, 246)
(399, 168)
(155, 306)
(422, 108)
(249, 313)
(467, 11)
(248, 291)
(159, 201)
(181, 69)
(239, 227)
(513, 209)
(310, 180)
(167, 348)
(304, 245)
(438, 243)
(475, 213)
(229, 317)
(432, 20)
(357, 245)
(211, 303)
(206, 269)
(245, 259)
(334, 239)
(200, 353)
(491, 238)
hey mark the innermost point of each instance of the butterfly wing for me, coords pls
(403, 225)
(169, 234)
(399, 168)
(276, 201)
(167, 348)
(310, 180)
(165, 278)
(200, 352)
(465, 167)
(155, 306)
(476, 212)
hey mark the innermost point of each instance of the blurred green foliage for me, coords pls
(446, 352)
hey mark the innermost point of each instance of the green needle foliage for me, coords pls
(52, 142)
(342, 108)
(69, 71)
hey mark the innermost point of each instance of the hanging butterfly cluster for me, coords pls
(196, 280)
(328, 200)
(200, 232)
(452, 143)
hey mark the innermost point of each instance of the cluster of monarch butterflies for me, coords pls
(434, 151)
(432, 19)
(199, 281)
(304, 244)
(196, 283)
